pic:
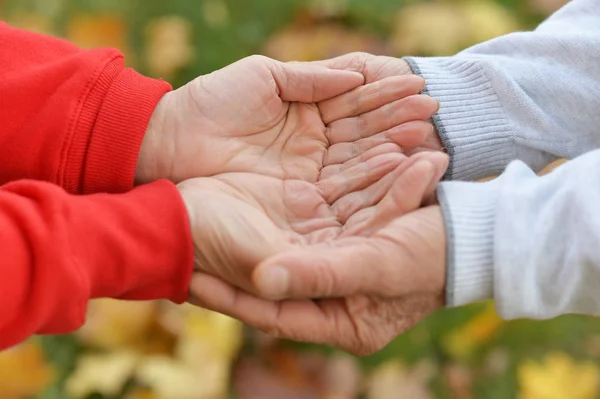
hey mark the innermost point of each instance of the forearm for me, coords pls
(529, 96)
(529, 242)
(58, 251)
(68, 116)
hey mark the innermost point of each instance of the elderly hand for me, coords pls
(382, 75)
(376, 276)
(259, 115)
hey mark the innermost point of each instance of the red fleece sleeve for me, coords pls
(58, 251)
(68, 116)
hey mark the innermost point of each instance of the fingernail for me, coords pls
(273, 282)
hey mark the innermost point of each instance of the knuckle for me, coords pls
(326, 280)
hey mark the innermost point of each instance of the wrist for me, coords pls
(155, 160)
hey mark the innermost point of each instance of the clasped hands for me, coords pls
(310, 192)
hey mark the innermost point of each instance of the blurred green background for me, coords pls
(159, 351)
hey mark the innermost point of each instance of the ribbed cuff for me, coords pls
(469, 211)
(119, 130)
(470, 122)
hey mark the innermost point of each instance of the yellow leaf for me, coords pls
(393, 380)
(23, 371)
(462, 342)
(105, 373)
(319, 42)
(429, 29)
(116, 324)
(486, 20)
(172, 379)
(98, 30)
(558, 376)
(169, 45)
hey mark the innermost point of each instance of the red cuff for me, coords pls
(146, 251)
(113, 121)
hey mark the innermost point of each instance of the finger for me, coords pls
(356, 62)
(357, 262)
(336, 157)
(407, 135)
(350, 204)
(413, 108)
(353, 266)
(301, 320)
(310, 83)
(409, 192)
(359, 176)
(329, 171)
(373, 67)
(370, 97)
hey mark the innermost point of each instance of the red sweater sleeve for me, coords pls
(58, 251)
(68, 116)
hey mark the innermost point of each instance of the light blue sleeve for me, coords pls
(532, 243)
(532, 96)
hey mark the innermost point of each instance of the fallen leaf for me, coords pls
(170, 378)
(319, 42)
(169, 45)
(106, 374)
(393, 380)
(429, 29)
(486, 20)
(23, 371)
(115, 324)
(558, 376)
(463, 342)
(98, 30)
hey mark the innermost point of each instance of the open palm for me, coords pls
(262, 116)
(371, 271)
(240, 219)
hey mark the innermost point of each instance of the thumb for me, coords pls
(309, 83)
(330, 272)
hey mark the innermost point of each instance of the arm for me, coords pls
(531, 96)
(58, 251)
(531, 242)
(71, 117)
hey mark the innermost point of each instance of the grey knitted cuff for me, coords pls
(469, 211)
(470, 122)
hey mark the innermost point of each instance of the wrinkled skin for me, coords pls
(378, 273)
(262, 116)
(334, 236)
(380, 72)
(240, 219)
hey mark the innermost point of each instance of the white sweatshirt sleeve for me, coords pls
(530, 243)
(532, 96)
(539, 235)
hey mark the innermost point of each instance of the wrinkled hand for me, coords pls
(240, 219)
(259, 115)
(382, 75)
(378, 274)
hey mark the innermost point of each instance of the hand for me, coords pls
(382, 75)
(240, 219)
(383, 273)
(259, 115)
